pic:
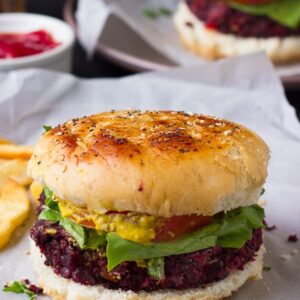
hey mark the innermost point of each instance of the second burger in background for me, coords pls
(222, 28)
(148, 205)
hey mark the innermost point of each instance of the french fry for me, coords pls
(15, 169)
(35, 190)
(11, 151)
(5, 141)
(14, 209)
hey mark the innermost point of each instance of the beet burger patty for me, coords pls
(144, 205)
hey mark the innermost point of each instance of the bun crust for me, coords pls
(212, 44)
(65, 289)
(161, 163)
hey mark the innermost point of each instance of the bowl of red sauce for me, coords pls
(35, 41)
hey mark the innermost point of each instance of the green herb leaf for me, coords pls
(262, 191)
(150, 13)
(18, 287)
(155, 14)
(267, 268)
(156, 268)
(164, 11)
(47, 128)
(285, 12)
(230, 230)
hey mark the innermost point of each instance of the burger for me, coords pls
(148, 205)
(218, 28)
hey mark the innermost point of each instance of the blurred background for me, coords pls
(12, 5)
(98, 65)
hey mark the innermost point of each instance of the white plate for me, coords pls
(132, 52)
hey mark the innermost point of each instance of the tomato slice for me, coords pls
(87, 223)
(174, 227)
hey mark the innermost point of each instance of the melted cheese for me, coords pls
(135, 227)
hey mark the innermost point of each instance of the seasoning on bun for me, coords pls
(148, 205)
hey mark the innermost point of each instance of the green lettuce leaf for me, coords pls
(49, 202)
(237, 225)
(230, 230)
(285, 12)
(85, 238)
(155, 267)
(18, 287)
(94, 239)
(119, 250)
(77, 231)
(50, 215)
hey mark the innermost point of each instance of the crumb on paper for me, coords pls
(293, 238)
(262, 202)
(295, 251)
(27, 252)
(268, 227)
(285, 257)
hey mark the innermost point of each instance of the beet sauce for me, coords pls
(13, 45)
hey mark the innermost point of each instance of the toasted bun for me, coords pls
(212, 44)
(160, 163)
(65, 289)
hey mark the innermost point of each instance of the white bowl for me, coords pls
(58, 58)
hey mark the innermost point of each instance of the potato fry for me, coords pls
(15, 169)
(35, 190)
(14, 209)
(5, 141)
(11, 151)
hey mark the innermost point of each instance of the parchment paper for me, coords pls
(233, 89)
(160, 33)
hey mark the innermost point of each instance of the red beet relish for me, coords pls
(14, 45)
(219, 16)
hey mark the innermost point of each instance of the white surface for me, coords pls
(58, 59)
(232, 89)
(160, 33)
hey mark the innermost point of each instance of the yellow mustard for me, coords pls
(135, 227)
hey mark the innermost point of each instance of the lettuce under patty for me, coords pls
(285, 12)
(228, 230)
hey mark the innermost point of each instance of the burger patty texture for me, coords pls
(219, 16)
(89, 267)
